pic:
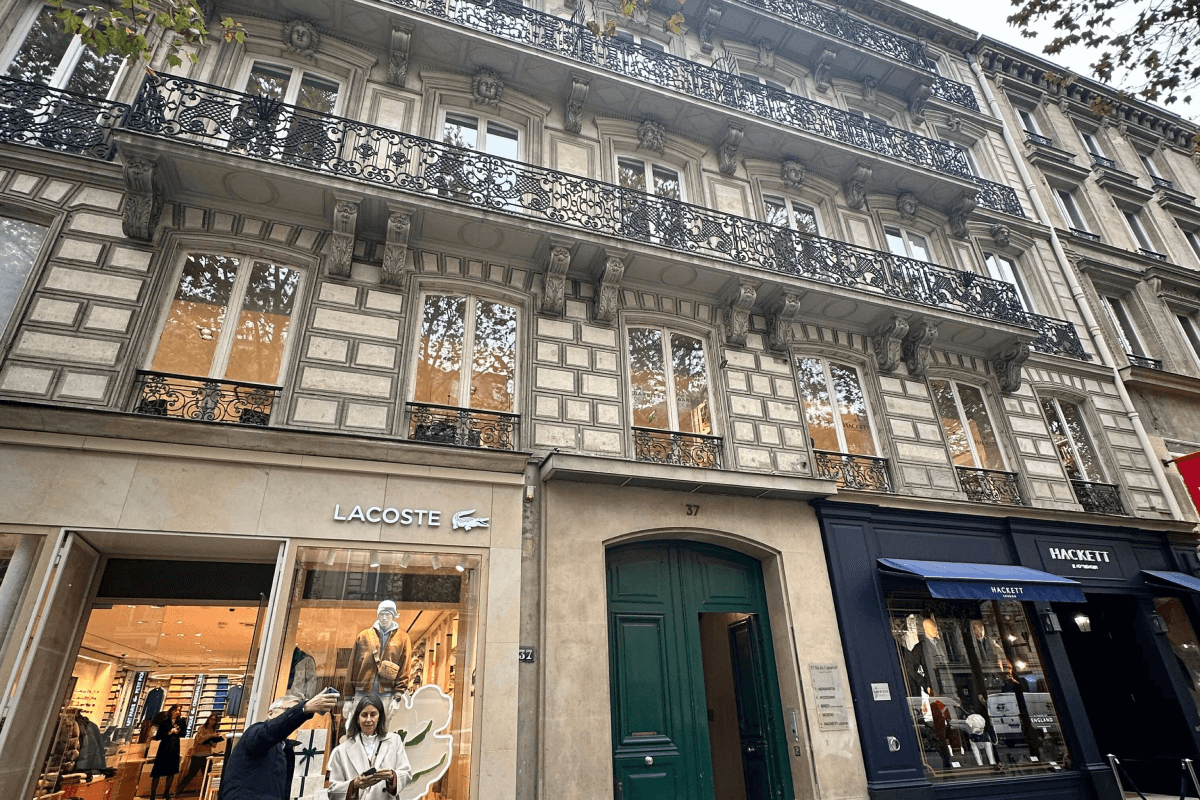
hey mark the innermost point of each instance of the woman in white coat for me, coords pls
(368, 748)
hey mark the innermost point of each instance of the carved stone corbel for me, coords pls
(888, 341)
(575, 100)
(395, 251)
(791, 172)
(823, 70)
(608, 289)
(916, 346)
(708, 25)
(855, 186)
(779, 321)
(728, 146)
(341, 241)
(737, 314)
(960, 212)
(143, 199)
(398, 46)
(1008, 363)
(766, 55)
(916, 103)
(554, 281)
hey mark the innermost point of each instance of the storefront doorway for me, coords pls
(695, 697)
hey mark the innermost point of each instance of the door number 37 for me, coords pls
(693, 509)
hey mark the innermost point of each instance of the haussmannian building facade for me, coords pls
(783, 408)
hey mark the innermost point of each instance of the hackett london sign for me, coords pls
(420, 517)
(1080, 560)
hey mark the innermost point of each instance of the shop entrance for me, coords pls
(1127, 693)
(695, 696)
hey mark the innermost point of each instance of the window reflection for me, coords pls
(849, 431)
(676, 401)
(20, 243)
(51, 56)
(489, 334)
(1071, 440)
(1184, 644)
(975, 444)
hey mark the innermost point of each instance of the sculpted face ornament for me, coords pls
(301, 37)
(651, 136)
(907, 204)
(487, 88)
(791, 172)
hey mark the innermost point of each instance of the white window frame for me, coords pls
(1191, 333)
(1002, 268)
(648, 42)
(1070, 209)
(1148, 163)
(1074, 446)
(906, 237)
(1134, 222)
(1091, 144)
(70, 60)
(669, 375)
(483, 121)
(837, 418)
(790, 205)
(648, 166)
(1192, 236)
(1127, 333)
(962, 420)
(1028, 121)
(295, 79)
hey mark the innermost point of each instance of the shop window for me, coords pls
(668, 377)
(400, 624)
(977, 689)
(967, 425)
(1191, 332)
(1182, 637)
(20, 243)
(1005, 269)
(46, 54)
(903, 242)
(835, 407)
(1071, 439)
(1126, 332)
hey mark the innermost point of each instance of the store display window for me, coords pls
(1182, 636)
(977, 688)
(398, 624)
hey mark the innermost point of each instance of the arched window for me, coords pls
(835, 407)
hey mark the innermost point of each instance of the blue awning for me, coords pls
(958, 581)
(1179, 580)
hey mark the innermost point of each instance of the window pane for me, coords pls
(806, 219)
(1124, 326)
(93, 75)
(818, 411)
(982, 433)
(461, 131)
(197, 315)
(1182, 637)
(777, 213)
(852, 410)
(262, 326)
(20, 243)
(952, 427)
(647, 377)
(440, 359)
(895, 242)
(502, 141)
(1089, 464)
(41, 52)
(920, 250)
(268, 81)
(494, 361)
(1004, 269)
(691, 384)
(631, 174)
(1058, 432)
(1189, 331)
(666, 183)
(317, 94)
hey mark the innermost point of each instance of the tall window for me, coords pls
(656, 222)
(787, 213)
(967, 425)
(20, 243)
(293, 86)
(1005, 269)
(1070, 209)
(229, 319)
(668, 377)
(1070, 436)
(1124, 325)
(467, 356)
(298, 137)
(835, 407)
(484, 135)
(1148, 163)
(1028, 122)
(1091, 144)
(644, 41)
(1138, 230)
(1193, 240)
(1191, 333)
(903, 242)
(48, 55)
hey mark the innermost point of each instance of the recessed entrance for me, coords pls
(695, 697)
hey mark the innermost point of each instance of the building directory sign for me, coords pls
(831, 701)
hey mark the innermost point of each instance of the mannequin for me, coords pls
(380, 663)
(978, 735)
(302, 678)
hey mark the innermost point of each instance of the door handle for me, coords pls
(649, 761)
(750, 749)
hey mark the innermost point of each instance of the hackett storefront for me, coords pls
(1008, 656)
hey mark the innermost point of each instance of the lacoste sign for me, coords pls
(420, 517)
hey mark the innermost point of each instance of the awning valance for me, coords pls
(961, 581)
(1176, 580)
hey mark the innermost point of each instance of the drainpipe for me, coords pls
(1081, 300)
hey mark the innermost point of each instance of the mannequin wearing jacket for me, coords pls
(380, 662)
(368, 745)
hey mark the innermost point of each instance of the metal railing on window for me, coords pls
(1098, 498)
(1103, 161)
(998, 197)
(1163, 182)
(38, 116)
(1037, 138)
(658, 446)
(1056, 337)
(164, 394)
(1082, 234)
(990, 486)
(465, 427)
(853, 471)
(1152, 254)
(1144, 361)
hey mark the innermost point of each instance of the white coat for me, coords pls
(349, 760)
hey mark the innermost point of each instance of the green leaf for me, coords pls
(174, 60)
(431, 769)
(420, 737)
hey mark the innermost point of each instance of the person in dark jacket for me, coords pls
(166, 760)
(261, 765)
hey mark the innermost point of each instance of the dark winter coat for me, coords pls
(261, 765)
(166, 760)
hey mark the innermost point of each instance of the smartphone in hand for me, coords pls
(371, 771)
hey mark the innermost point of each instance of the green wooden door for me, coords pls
(656, 593)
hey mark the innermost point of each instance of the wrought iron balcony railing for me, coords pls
(998, 197)
(990, 486)
(1037, 138)
(1056, 337)
(465, 427)
(1098, 498)
(854, 472)
(38, 116)
(681, 449)
(1144, 361)
(1078, 233)
(164, 394)
(1163, 182)
(1103, 161)
(1152, 254)
(261, 128)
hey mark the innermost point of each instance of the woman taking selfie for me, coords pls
(371, 764)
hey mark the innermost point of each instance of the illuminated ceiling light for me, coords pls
(435, 562)
(374, 558)
(404, 559)
(1020, 665)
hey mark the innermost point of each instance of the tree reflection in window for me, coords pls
(20, 243)
(1069, 433)
(849, 429)
(51, 56)
(973, 444)
(679, 400)
(488, 333)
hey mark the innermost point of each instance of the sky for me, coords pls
(988, 16)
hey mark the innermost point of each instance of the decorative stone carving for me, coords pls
(728, 146)
(916, 345)
(888, 341)
(766, 55)
(301, 37)
(398, 54)
(395, 252)
(855, 186)
(341, 241)
(737, 314)
(575, 100)
(824, 69)
(708, 25)
(651, 136)
(791, 172)
(868, 89)
(907, 204)
(779, 321)
(1008, 363)
(954, 122)
(143, 199)
(487, 89)
(960, 212)
(608, 290)
(555, 280)
(916, 103)
(1001, 235)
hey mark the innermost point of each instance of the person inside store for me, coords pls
(203, 744)
(166, 760)
(261, 765)
(371, 764)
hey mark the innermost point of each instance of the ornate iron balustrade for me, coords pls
(466, 427)
(1037, 138)
(681, 449)
(1082, 234)
(1144, 361)
(1151, 254)
(1098, 498)
(567, 39)
(164, 394)
(854, 472)
(38, 116)
(264, 129)
(1056, 337)
(998, 197)
(990, 486)
(1102, 161)
(1163, 182)
(954, 92)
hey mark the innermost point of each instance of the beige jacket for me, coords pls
(349, 760)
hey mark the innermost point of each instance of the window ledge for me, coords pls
(1160, 381)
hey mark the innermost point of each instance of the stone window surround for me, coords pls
(445, 91)
(815, 191)
(870, 387)
(717, 389)
(618, 137)
(298, 70)
(54, 225)
(992, 402)
(1022, 251)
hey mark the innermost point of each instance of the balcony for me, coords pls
(1144, 361)
(163, 394)
(464, 427)
(38, 116)
(1078, 233)
(1038, 139)
(990, 486)
(657, 446)
(1163, 182)
(853, 472)
(1102, 161)
(1098, 498)
(1148, 253)
(1056, 337)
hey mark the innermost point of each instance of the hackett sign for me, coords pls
(421, 517)
(1080, 561)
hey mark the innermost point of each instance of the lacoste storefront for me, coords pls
(218, 578)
